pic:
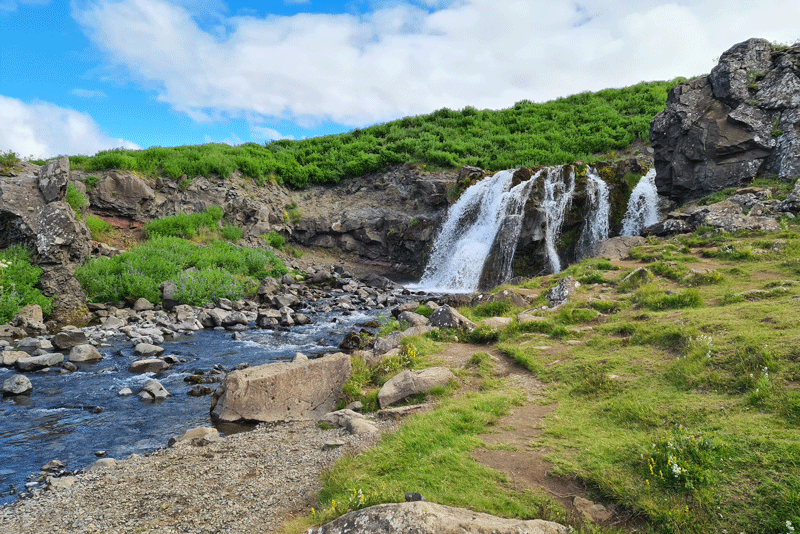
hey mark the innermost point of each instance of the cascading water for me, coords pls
(470, 229)
(642, 208)
(557, 198)
(596, 227)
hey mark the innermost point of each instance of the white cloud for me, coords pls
(44, 130)
(88, 93)
(264, 133)
(402, 59)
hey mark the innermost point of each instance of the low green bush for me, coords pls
(76, 200)
(18, 278)
(274, 239)
(138, 273)
(101, 230)
(184, 225)
(231, 233)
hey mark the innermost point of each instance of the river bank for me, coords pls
(244, 483)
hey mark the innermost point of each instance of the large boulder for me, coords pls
(724, 129)
(68, 339)
(410, 383)
(303, 390)
(122, 194)
(423, 517)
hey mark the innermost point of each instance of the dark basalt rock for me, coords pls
(739, 122)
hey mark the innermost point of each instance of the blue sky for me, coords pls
(81, 76)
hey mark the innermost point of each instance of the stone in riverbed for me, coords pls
(204, 432)
(153, 390)
(84, 353)
(147, 349)
(68, 339)
(17, 385)
(148, 365)
(9, 357)
(35, 363)
(282, 391)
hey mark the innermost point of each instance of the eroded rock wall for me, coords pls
(739, 122)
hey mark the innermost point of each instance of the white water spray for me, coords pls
(557, 198)
(462, 245)
(596, 227)
(642, 208)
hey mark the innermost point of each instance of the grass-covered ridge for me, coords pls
(528, 134)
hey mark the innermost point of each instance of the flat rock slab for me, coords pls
(304, 390)
(35, 363)
(428, 518)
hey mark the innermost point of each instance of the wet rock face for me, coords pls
(724, 129)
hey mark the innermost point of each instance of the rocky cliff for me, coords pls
(33, 213)
(739, 122)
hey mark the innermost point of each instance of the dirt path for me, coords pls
(512, 447)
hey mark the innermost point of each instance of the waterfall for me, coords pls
(642, 208)
(595, 228)
(470, 230)
(557, 198)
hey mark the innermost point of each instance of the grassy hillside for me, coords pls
(527, 134)
(674, 395)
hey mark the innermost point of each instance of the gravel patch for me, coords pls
(245, 483)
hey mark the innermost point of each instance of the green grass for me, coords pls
(682, 407)
(101, 230)
(18, 279)
(222, 271)
(527, 134)
(76, 200)
(8, 160)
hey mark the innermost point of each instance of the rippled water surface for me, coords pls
(70, 416)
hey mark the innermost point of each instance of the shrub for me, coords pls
(231, 233)
(138, 273)
(274, 239)
(184, 225)
(76, 200)
(101, 230)
(17, 280)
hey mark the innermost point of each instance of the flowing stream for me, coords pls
(70, 416)
(642, 210)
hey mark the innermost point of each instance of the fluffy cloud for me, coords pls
(44, 130)
(88, 93)
(409, 58)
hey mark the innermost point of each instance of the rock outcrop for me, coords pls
(282, 391)
(428, 518)
(33, 214)
(739, 122)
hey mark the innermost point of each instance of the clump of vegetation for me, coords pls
(366, 379)
(101, 229)
(18, 278)
(274, 239)
(8, 160)
(222, 271)
(527, 134)
(184, 225)
(76, 200)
